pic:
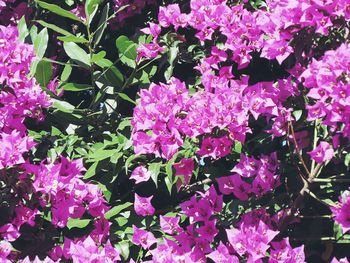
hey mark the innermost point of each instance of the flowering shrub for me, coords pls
(174, 131)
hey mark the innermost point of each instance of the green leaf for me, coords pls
(172, 54)
(115, 157)
(67, 70)
(54, 28)
(72, 38)
(58, 10)
(76, 87)
(154, 169)
(40, 43)
(91, 171)
(91, 8)
(107, 194)
(124, 248)
(63, 106)
(347, 159)
(127, 50)
(102, 25)
(126, 97)
(128, 161)
(22, 29)
(238, 147)
(97, 57)
(297, 114)
(78, 223)
(169, 184)
(43, 73)
(123, 124)
(100, 155)
(117, 209)
(33, 33)
(111, 74)
(77, 54)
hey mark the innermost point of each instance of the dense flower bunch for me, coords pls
(262, 171)
(176, 114)
(269, 31)
(21, 97)
(328, 81)
(251, 239)
(218, 113)
(214, 164)
(56, 187)
(341, 213)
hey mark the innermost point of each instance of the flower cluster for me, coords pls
(342, 212)
(329, 84)
(268, 30)
(55, 188)
(85, 250)
(20, 96)
(191, 243)
(160, 123)
(261, 174)
(253, 237)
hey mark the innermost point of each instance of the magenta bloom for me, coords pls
(170, 225)
(185, 168)
(283, 252)
(143, 206)
(5, 250)
(143, 238)
(9, 232)
(140, 174)
(323, 152)
(251, 240)
(234, 185)
(222, 255)
(342, 213)
(153, 30)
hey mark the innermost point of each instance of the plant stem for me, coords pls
(331, 180)
(297, 148)
(313, 163)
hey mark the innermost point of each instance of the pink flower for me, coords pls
(251, 240)
(79, 11)
(153, 30)
(142, 237)
(184, 168)
(9, 232)
(323, 152)
(283, 252)
(140, 174)
(5, 250)
(170, 225)
(149, 51)
(143, 206)
(25, 215)
(342, 260)
(234, 184)
(222, 255)
(342, 212)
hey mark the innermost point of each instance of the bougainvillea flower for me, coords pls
(342, 212)
(170, 225)
(140, 174)
(143, 206)
(143, 237)
(323, 152)
(222, 255)
(9, 232)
